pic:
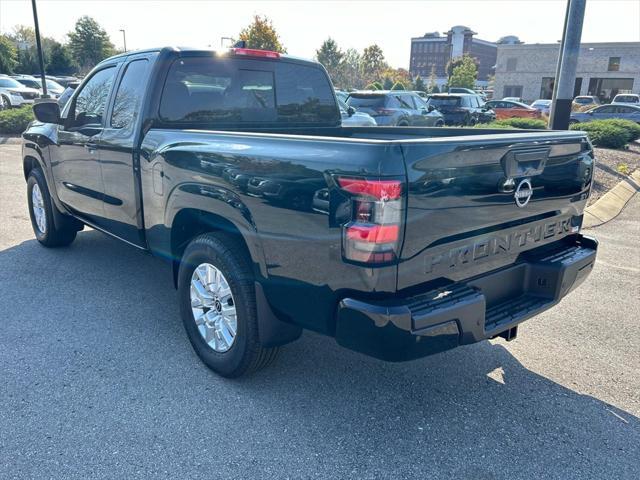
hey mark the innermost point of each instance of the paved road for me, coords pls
(97, 380)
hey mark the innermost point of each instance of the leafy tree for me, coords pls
(398, 86)
(387, 83)
(433, 85)
(331, 57)
(89, 43)
(373, 62)
(464, 74)
(60, 61)
(261, 35)
(418, 84)
(349, 72)
(8, 55)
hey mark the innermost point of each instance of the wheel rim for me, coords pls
(213, 307)
(38, 208)
(3, 103)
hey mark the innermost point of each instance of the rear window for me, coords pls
(626, 98)
(215, 92)
(366, 101)
(444, 101)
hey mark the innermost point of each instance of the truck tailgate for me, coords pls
(476, 202)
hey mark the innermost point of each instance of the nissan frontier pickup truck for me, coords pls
(233, 166)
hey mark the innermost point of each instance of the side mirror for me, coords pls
(351, 111)
(431, 108)
(47, 111)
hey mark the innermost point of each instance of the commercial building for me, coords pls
(604, 70)
(433, 51)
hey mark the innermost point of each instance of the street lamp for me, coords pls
(124, 39)
(39, 47)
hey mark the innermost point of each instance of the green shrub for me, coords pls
(15, 120)
(604, 133)
(525, 123)
(494, 125)
(632, 127)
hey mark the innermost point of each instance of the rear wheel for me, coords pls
(573, 122)
(218, 306)
(4, 103)
(439, 123)
(41, 211)
(403, 123)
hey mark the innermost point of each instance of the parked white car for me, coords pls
(14, 94)
(627, 98)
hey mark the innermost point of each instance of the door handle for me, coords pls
(92, 147)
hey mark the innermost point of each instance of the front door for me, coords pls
(75, 162)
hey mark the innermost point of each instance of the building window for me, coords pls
(614, 64)
(512, 91)
(511, 65)
(607, 88)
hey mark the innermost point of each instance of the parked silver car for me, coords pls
(352, 118)
(14, 94)
(53, 88)
(603, 112)
(542, 105)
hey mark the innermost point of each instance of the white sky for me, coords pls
(303, 25)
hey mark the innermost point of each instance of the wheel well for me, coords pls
(189, 223)
(28, 164)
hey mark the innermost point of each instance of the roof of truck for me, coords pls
(209, 50)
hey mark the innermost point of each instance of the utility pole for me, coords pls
(124, 39)
(39, 47)
(567, 65)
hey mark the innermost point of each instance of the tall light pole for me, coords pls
(568, 64)
(39, 47)
(124, 39)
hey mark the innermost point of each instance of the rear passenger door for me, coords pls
(406, 103)
(119, 154)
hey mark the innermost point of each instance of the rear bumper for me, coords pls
(466, 312)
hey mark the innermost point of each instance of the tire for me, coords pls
(244, 354)
(41, 213)
(439, 123)
(573, 122)
(5, 104)
(403, 123)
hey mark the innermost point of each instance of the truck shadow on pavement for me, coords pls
(113, 343)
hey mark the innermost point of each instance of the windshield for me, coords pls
(444, 101)
(27, 82)
(583, 100)
(369, 101)
(54, 85)
(10, 83)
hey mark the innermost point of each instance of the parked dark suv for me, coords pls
(396, 108)
(461, 108)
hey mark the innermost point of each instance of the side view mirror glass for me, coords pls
(431, 108)
(47, 111)
(351, 111)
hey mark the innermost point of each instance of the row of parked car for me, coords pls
(18, 90)
(408, 108)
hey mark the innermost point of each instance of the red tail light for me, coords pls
(252, 52)
(373, 234)
(384, 112)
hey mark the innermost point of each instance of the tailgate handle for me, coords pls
(525, 163)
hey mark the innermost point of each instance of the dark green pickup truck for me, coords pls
(234, 166)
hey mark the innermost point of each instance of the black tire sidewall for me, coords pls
(233, 362)
(36, 177)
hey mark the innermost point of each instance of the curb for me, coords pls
(611, 203)
(10, 140)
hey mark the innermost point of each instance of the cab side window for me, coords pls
(91, 102)
(126, 106)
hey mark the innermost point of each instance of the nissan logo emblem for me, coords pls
(523, 193)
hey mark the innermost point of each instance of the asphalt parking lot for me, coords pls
(98, 380)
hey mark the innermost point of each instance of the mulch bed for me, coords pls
(608, 163)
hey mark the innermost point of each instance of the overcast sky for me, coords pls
(303, 25)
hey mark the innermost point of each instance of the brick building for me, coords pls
(434, 51)
(604, 70)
